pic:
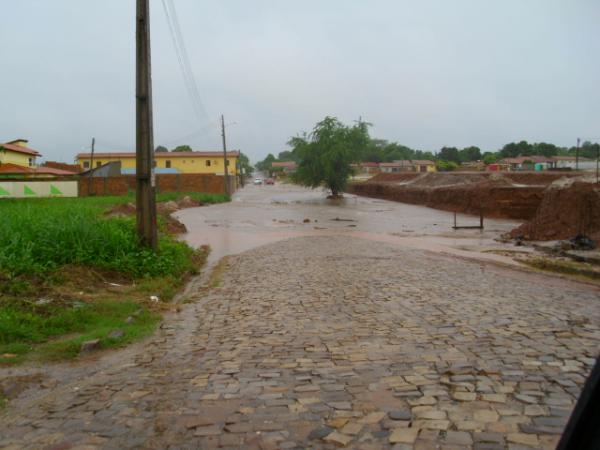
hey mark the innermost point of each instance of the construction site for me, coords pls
(552, 206)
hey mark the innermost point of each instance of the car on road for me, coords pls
(258, 181)
(269, 181)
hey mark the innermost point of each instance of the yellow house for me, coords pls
(16, 152)
(167, 162)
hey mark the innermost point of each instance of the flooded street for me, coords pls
(259, 215)
(377, 327)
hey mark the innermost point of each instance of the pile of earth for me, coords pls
(164, 209)
(439, 179)
(568, 208)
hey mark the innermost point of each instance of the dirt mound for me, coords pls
(127, 209)
(449, 179)
(167, 207)
(565, 211)
(538, 178)
(174, 226)
(187, 202)
(393, 177)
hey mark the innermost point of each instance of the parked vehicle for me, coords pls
(269, 181)
(258, 181)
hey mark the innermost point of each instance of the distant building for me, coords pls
(369, 167)
(533, 162)
(424, 165)
(16, 152)
(287, 166)
(167, 162)
(570, 162)
(10, 170)
(396, 166)
(62, 166)
(406, 165)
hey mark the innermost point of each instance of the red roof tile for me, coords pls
(20, 149)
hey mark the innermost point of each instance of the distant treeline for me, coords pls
(379, 150)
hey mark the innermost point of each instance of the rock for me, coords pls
(404, 435)
(464, 396)
(320, 433)
(89, 346)
(522, 438)
(116, 334)
(400, 415)
(129, 320)
(340, 405)
(339, 439)
(154, 298)
(167, 207)
(526, 398)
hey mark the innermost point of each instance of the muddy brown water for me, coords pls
(259, 215)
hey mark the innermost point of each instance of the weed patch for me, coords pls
(69, 273)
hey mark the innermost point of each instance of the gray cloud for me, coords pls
(427, 74)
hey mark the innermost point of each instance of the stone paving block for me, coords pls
(344, 336)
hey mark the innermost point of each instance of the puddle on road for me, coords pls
(260, 215)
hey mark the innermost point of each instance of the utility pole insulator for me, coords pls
(144, 149)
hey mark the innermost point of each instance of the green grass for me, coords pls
(39, 330)
(66, 249)
(39, 235)
(198, 196)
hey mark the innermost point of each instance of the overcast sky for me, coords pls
(425, 73)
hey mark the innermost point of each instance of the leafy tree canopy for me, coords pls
(325, 155)
(182, 148)
(161, 148)
(449, 154)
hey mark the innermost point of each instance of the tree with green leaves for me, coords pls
(266, 164)
(182, 148)
(161, 148)
(326, 154)
(449, 154)
(244, 165)
(490, 158)
(469, 154)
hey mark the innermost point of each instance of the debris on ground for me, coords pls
(89, 346)
(116, 334)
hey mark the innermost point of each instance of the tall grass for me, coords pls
(39, 235)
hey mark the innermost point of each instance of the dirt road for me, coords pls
(323, 341)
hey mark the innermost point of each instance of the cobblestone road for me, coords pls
(321, 342)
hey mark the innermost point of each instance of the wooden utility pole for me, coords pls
(225, 174)
(144, 148)
(91, 179)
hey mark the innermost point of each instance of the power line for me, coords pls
(184, 60)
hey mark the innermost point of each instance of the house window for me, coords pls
(216, 162)
(168, 164)
(30, 162)
(208, 163)
(227, 163)
(98, 163)
(86, 164)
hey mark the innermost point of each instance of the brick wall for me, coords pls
(183, 182)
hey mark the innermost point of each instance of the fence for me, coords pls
(181, 182)
(30, 188)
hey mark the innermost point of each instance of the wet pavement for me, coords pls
(342, 339)
(263, 214)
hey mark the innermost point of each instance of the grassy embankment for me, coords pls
(69, 273)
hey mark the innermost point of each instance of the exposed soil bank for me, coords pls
(556, 206)
(465, 193)
(564, 212)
